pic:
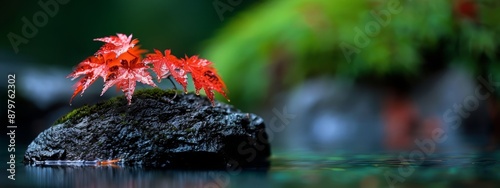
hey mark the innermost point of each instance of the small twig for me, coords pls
(175, 87)
(171, 100)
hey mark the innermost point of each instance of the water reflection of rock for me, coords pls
(107, 176)
(333, 114)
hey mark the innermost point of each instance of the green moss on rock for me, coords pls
(76, 114)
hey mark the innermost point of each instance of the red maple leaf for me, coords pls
(119, 63)
(166, 65)
(116, 44)
(204, 76)
(122, 71)
(125, 75)
(91, 68)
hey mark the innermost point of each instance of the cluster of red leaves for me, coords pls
(119, 62)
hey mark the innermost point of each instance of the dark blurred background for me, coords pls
(327, 76)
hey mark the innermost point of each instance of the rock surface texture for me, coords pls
(157, 131)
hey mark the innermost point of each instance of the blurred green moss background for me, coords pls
(265, 47)
(280, 43)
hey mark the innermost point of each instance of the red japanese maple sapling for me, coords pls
(119, 62)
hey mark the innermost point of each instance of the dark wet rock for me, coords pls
(186, 132)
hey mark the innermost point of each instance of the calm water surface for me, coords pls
(287, 170)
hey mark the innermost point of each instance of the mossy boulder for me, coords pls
(157, 130)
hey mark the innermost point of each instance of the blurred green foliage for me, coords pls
(280, 43)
